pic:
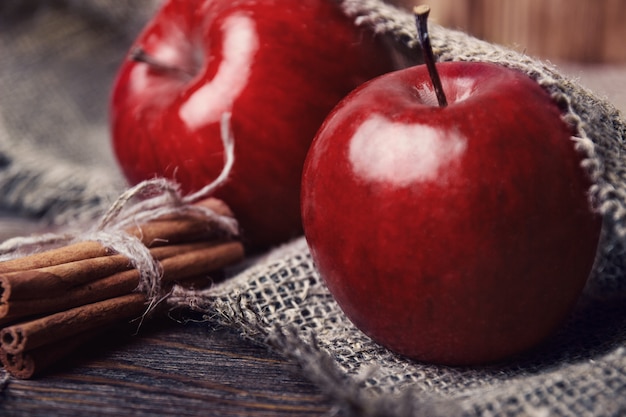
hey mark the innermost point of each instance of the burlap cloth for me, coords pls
(57, 62)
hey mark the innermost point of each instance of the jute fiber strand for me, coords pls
(49, 168)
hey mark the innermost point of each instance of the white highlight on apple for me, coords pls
(457, 89)
(207, 104)
(385, 151)
(167, 50)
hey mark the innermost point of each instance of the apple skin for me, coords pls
(278, 66)
(456, 235)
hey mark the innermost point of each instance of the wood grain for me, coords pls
(168, 369)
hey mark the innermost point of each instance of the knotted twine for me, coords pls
(147, 201)
(581, 371)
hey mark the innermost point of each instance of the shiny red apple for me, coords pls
(278, 66)
(458, 234)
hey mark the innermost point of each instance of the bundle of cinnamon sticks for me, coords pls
(52, 302)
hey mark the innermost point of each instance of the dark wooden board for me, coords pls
(168, 369)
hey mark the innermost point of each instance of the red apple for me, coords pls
(278, 66)
(458, 234)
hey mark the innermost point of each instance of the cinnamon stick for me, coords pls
(25, 365)
(83, 287)
(53, 280)
(21, 337)
(70, 253)
(207, 257)
(171, 230)
(44, 282)
(201, 261)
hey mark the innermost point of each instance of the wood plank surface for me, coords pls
(168, 369)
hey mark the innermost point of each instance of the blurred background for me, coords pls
(585, 39)
(592, 31)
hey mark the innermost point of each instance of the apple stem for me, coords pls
(421, 19)
(140, 55)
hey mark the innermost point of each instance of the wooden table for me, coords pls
(168, 369)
